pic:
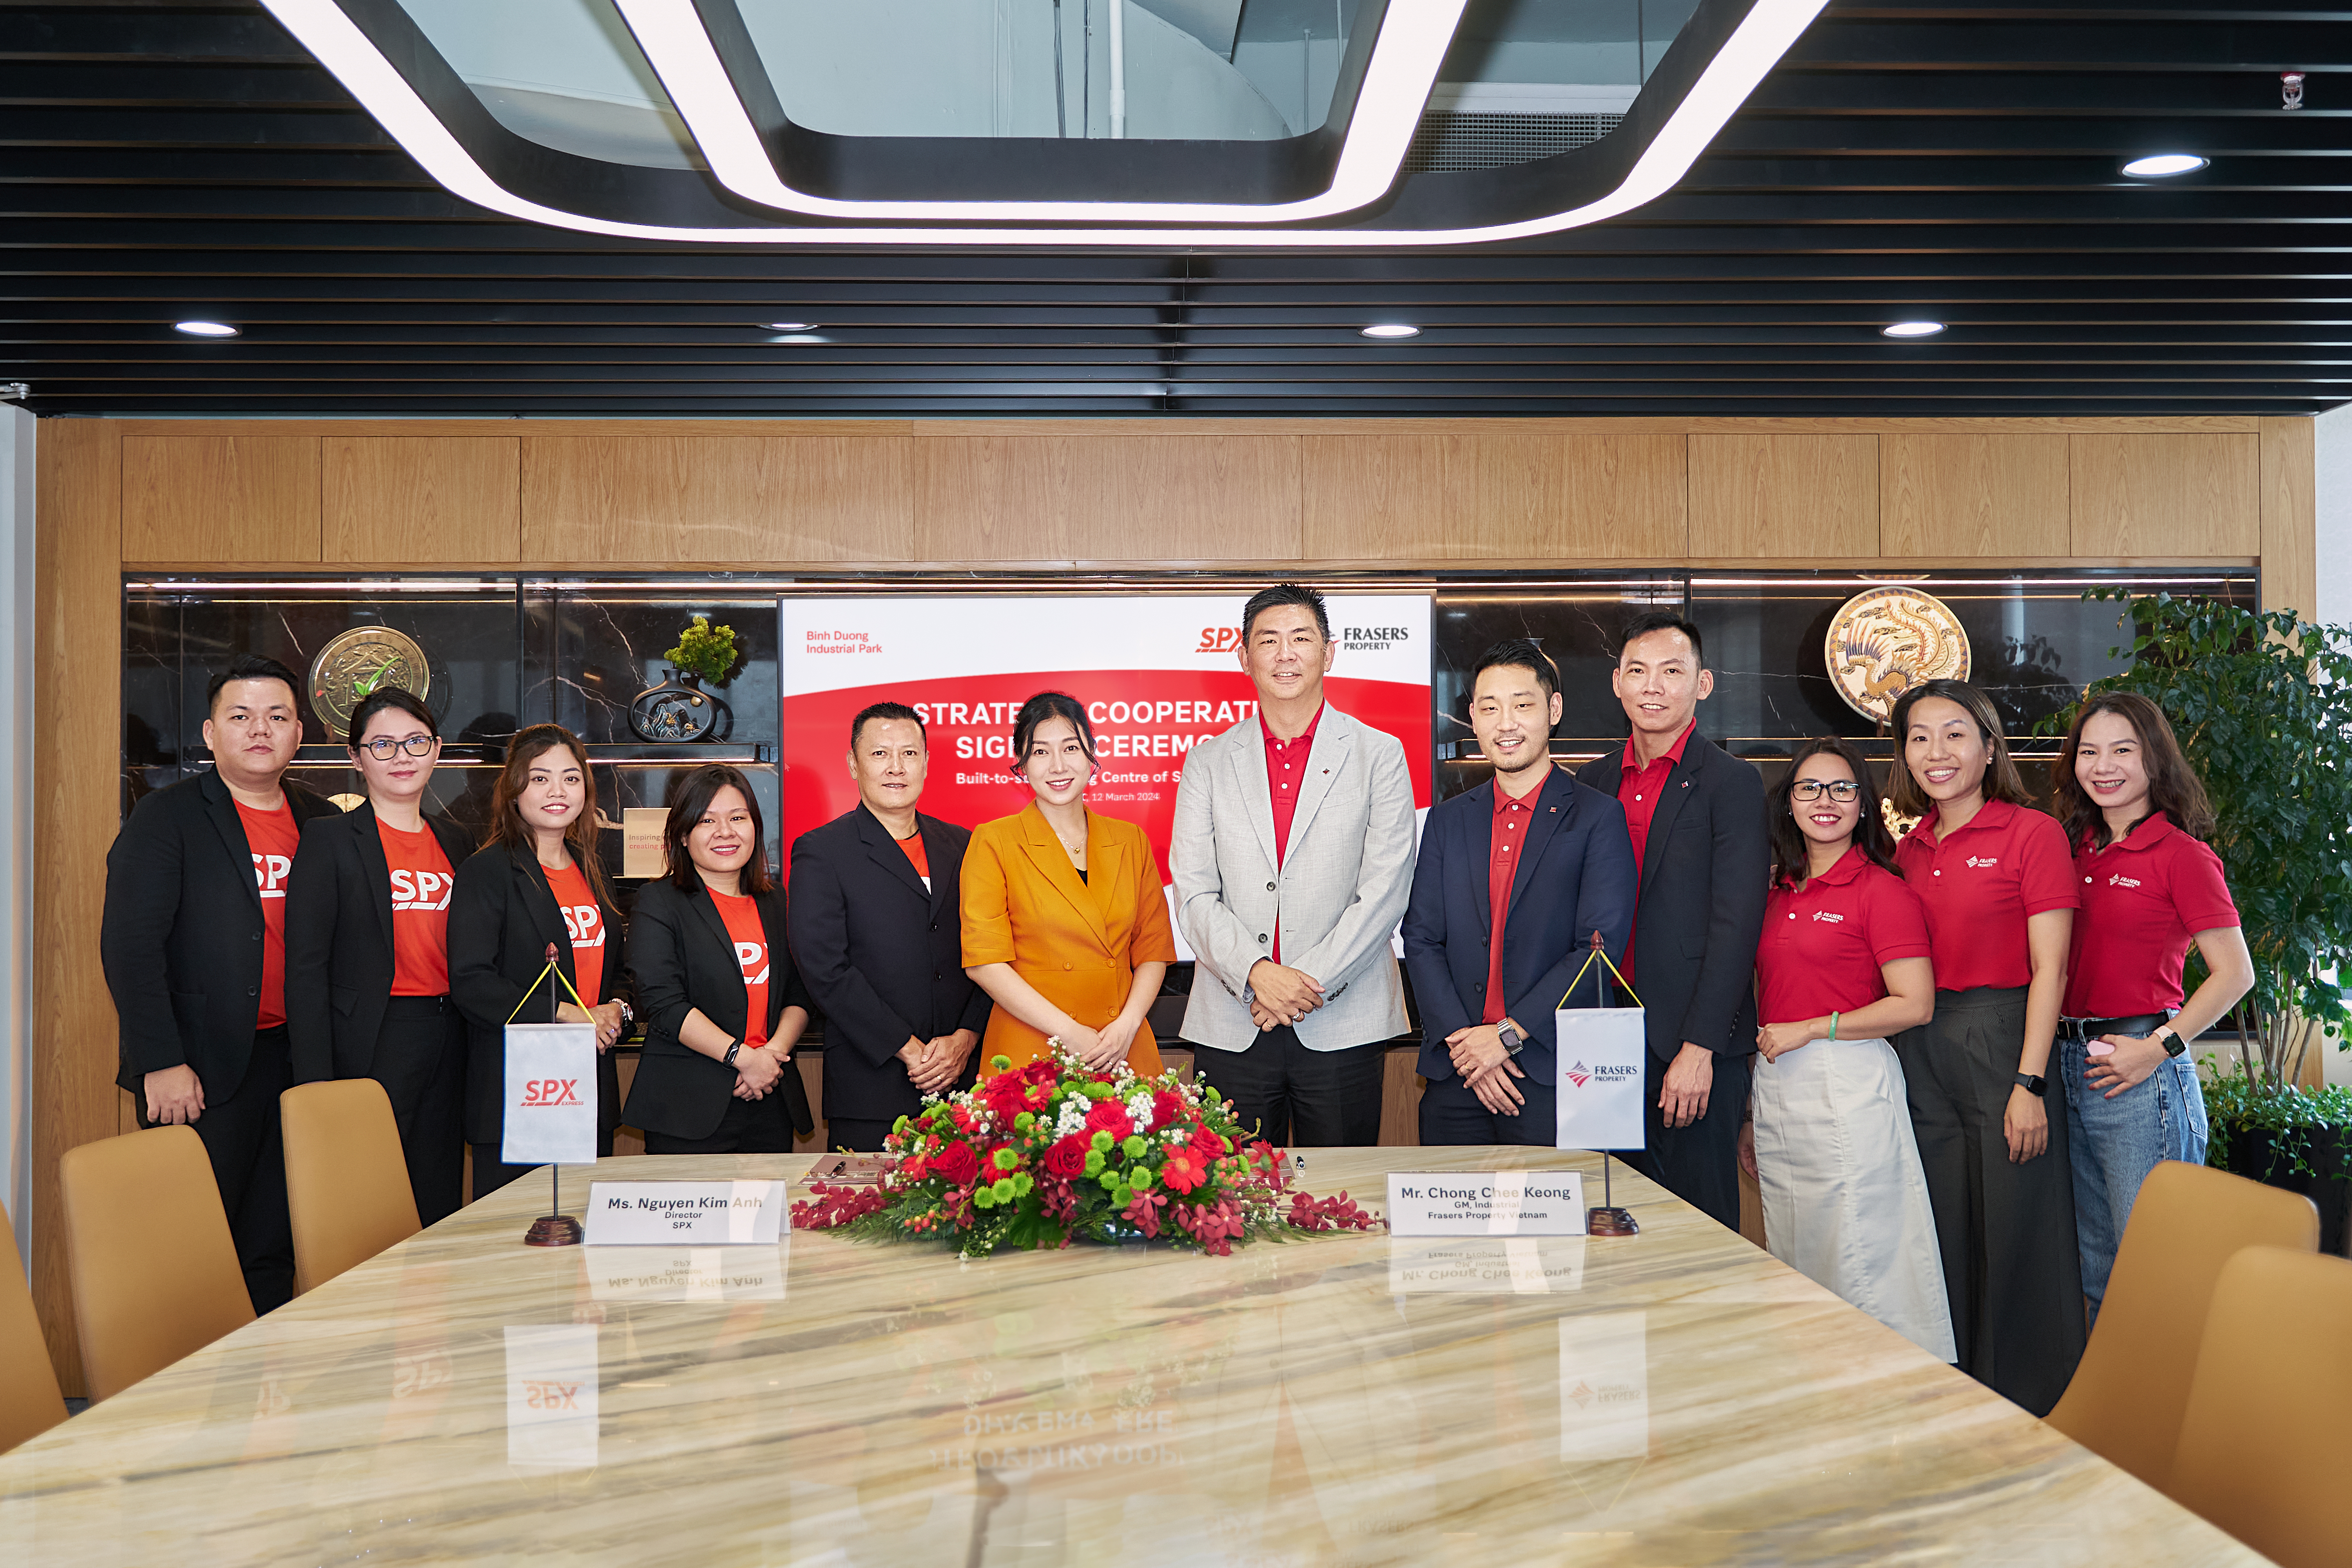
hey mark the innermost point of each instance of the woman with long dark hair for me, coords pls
(2138, 816)
(367, 946)
(723, 1005)
(1999, 887)
(1842, 966)
(1064, 922)
(537, 882)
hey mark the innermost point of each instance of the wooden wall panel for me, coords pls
(718, 500)
(420, 498)
(2001, 496)
(1779, 496)
(2166, 495)
(76, 810)
(1545, 500)
(226, 498)
(2290, 516)
(1033, 498)
(1374, 497)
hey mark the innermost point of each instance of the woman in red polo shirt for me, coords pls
(2138, 816)
(1999, 887)
(1841, 966)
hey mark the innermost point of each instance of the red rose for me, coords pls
(958, 1163)
(1208, 1144)
(1167, 1108)
(1067, 1158)
(1109, 1116)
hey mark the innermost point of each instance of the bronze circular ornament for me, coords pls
(359, 662)
(1883, 642)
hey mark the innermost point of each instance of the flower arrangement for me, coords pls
(1058, 1151)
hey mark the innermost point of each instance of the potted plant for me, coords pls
(679, 709)
(2263, 704)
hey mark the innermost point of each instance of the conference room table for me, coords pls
(1677, 1396)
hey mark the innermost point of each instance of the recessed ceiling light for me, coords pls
(204, 328)
(2156, 166)
(1390, 329)
(792, 326)
(1910, 329)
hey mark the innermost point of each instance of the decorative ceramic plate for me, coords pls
(1883, 642)
(363, 661)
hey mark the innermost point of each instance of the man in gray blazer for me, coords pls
(1292, 856)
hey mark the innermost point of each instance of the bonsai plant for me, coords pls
(2263, 704)
(705, 651)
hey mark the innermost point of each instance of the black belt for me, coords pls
(2091, 1029)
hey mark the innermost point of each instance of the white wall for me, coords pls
(16, 815)
(2334, 437)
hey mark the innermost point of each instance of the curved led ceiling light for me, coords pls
(1715, 63)
(709, 85)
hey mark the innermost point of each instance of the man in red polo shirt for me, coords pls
(1703, 858)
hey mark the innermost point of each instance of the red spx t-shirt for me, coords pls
(751, 939)
(583, 923)
(421, 883)
(272, 837)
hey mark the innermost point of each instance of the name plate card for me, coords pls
(1486, 1203)
(686, 1213)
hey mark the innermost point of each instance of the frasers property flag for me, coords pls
(1157, 675)
(1600, 1055)
(550, 1102)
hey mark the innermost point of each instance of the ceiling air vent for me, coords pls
(1450, 141)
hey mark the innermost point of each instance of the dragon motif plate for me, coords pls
(1885, 641)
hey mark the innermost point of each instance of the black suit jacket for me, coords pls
(339, 957)
(683, 959)
(882, 958)
(1705, 872)
(502, 918)
(181, 938)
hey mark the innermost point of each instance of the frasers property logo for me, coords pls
(1974, 861)
(1374, 640)
(1581, 1075)
(2120, 880)
(1830, 916)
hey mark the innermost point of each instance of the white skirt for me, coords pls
(1846, 1202)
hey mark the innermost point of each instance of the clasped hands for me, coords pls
(934, 1064)
(757, 1069)
(1485, 1066)
(1280, 994)
(1102, 1049)
(605, 1016)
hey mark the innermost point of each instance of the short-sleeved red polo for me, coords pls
(1823, 943)
(1505, 838)
(1980, 885)
(2145, 897)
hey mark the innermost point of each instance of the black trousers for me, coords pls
(1698, 1163)
(749, 1127)
(2011, 1266)
(420, 1059)
(244, 1140)
(860, 1136)
(1451, 1114)
(1296, 1098)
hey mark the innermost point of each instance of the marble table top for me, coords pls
(1675, 1397)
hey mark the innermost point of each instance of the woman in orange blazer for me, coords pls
(1065, 924)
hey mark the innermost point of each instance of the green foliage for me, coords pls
(2302, 1123)
(2263, 704)
(705, 650)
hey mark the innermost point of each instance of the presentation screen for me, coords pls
(1158, 675)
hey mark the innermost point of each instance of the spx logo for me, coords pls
(538, 1396)
(1218, 639)
(584, 924)
(750, 954)
(425, 891)
(269, 870)
(552, 1091)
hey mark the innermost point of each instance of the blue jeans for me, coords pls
(2115, 1144)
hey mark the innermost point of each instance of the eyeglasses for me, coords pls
(1845, 792)
(383, 747)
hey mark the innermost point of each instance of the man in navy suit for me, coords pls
(1514, 879)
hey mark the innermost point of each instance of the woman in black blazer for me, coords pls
(537, 883)
(367, 953)
(717, 1076)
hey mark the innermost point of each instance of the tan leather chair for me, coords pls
(154, 1273)
(2265, 1444)
(29, 1400)
(2124, 1400)
(346, 1179)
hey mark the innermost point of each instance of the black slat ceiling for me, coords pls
(1957, 162)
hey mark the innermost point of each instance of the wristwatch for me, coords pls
(628, 1014)
(1513, 1041)
(2033, 1083)
(735, 1045)
(2174, 1045)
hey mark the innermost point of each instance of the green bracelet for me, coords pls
(1832, 1026)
